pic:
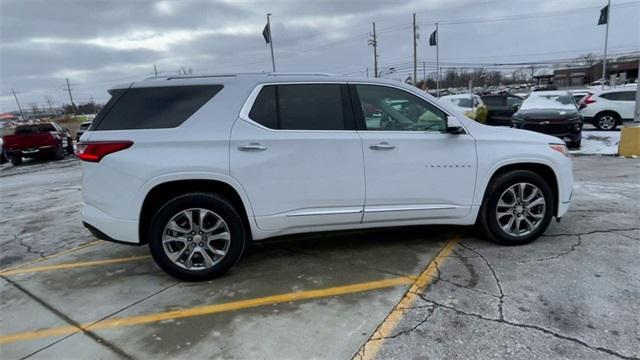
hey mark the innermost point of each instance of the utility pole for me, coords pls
(415, 53)
(636, 116)
(155, 70)
(373, 41)
(606, 38)
(437, 61)
(18, 102)
(73, 105)
(533, 72)
(273, 61)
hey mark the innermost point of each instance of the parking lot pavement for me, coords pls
(421, 292)
(40, 204)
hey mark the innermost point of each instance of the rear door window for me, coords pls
(153, 107)
(628, 96)
(300, 107)
(615, 96)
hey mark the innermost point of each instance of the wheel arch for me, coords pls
(608, 111)
(162, 192)
(544, 170)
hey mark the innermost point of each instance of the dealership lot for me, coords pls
(431, 292)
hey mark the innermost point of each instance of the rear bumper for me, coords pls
(106, 227)
(32, 152)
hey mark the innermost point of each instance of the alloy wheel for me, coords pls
(607, 122)
(196, 239)
(521, 209)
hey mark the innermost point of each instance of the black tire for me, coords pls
(213, 202)
(70, 149)
(575, 144)
(15, 160)
(600, 119)
(487, 218)
(59, 153)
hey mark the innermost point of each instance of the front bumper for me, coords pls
(568, 132)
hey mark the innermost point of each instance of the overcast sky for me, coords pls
(98, 44)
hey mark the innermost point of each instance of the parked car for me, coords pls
(606, 109)
(578, 95)
(551, 112)
(83, 127)
(197, 167)
(38, 141)
(470, 104)
(501, 108)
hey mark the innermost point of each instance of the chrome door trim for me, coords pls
(409, 208)
(325, 212)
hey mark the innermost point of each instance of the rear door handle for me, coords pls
(252, 147)
(382, 146)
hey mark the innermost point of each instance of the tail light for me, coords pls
(588, 100)
(96, 150)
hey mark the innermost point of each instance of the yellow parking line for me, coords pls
(83, 246)
(371, 348)
(208, 309)
(73, 265)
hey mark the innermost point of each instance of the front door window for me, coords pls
(390, 109)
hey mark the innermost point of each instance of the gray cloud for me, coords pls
(98, 44)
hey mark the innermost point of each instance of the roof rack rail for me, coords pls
(199, 76)
(298, 74)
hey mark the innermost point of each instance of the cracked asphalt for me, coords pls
(572, 294)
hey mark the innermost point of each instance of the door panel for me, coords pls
(424, 176)
(299, 178)
(412, 169)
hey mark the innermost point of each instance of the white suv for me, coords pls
(199, 166)
(606, 109)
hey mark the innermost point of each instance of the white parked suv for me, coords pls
(606, 109)
(199, 166)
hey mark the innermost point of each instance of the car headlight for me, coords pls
(561, 148)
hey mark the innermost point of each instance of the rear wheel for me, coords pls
(197, 236)
(59, 153)
(70, 149)
(606, 121)
(15, 160)
(517, 208)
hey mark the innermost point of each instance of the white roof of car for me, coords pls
(547, 93)
(457, 96)
(252, 78)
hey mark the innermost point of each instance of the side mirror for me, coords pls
(515, 107)
(453, 126)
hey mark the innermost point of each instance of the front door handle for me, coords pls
(382, 146)
(252, 147)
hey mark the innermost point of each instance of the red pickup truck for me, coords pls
(38, 141)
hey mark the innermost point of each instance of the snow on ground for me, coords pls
(599, 143)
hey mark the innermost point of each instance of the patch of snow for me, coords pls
(599, 143)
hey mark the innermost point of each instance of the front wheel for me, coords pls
(197, 236)
(517, 208)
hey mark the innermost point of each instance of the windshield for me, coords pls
(550, 101)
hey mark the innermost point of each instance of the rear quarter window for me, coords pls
(153, 107)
